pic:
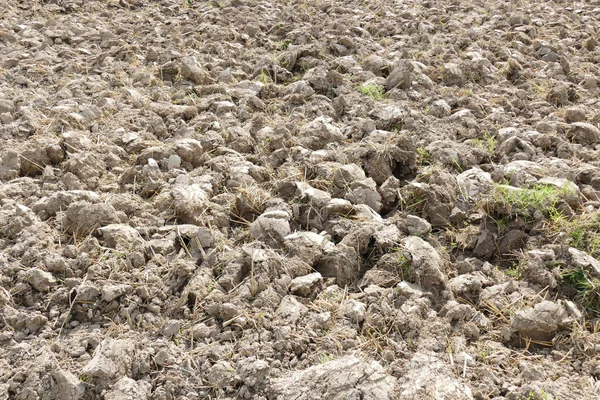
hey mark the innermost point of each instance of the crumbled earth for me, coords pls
(242, 199)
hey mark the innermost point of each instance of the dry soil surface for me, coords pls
(301, 199)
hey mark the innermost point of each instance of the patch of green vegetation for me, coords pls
(373, 91)
(404, 268)
(545, 395)
(412, 201)
(515, 271)
(521, 201)
(482, 355)
(398, 127)
(578, 280)
(169, 71)
(582, 231)
(283, 44)
(487, 143)
(324, 358)
(586, 290)
(264, 77)
(501, 223)
(424, 157)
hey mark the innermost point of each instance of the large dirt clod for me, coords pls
(344, 378)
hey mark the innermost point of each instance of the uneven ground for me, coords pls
(299, 199)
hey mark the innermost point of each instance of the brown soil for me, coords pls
(242, 199)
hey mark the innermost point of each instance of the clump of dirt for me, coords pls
(275, 200)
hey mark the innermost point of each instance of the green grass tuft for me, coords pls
(582, 231)
(487, 143)
(578, 280)
(425, 157)
(515, 271)
(521, 201)
(373, 91)
(585, 291)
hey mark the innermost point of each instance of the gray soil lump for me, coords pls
(299, 200)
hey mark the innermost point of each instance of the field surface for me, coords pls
(301, 199)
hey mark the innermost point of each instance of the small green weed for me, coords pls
(487, 143)
(404, 268)
(578, 279)
(586, 291)
(515, 271)
(424, 157)
(324, 358)
(283, 44)
(482, 355)
(373, 91)
(398, 127)
(264, 77)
